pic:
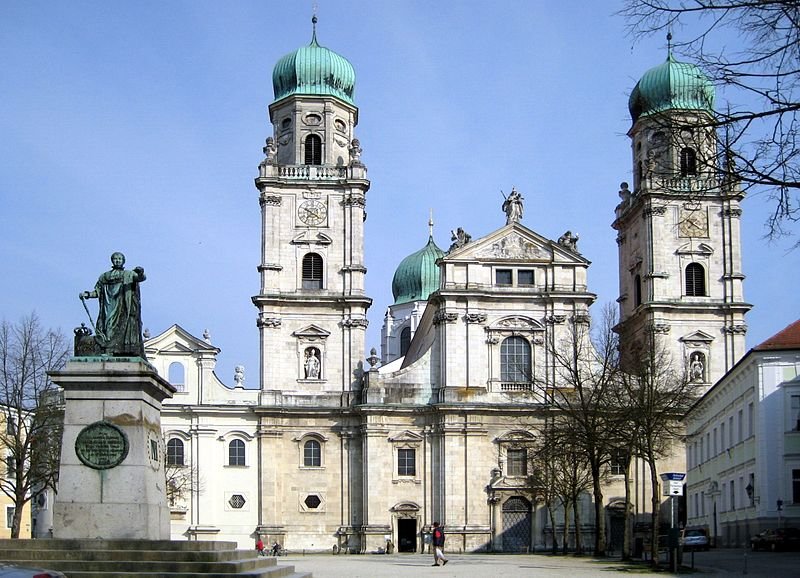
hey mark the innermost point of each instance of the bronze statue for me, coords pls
(119, 320)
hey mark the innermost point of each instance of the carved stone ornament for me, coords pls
(354, 201)
(660, 327)
(475, 317)
(270, 267)
(355, 322)
(654, 211)
(734, 212)
(272, 200)
(582, 318)
(513, 246)
(555, 319)
(271, 322)
(444, 317)
(736, 329)
(515, 323)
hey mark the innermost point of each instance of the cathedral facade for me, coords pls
(340, 449)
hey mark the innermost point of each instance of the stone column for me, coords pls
(112, 483)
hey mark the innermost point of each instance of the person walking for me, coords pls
(260, 547)
(438, 545)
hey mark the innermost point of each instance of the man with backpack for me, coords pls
(438, 545)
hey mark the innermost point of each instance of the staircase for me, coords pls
(145, 558)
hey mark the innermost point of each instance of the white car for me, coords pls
(14, 571)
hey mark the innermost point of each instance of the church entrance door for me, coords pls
(516, 525)
(407, 535)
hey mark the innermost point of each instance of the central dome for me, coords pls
(671, 85)
(314, 70)
(417, 276)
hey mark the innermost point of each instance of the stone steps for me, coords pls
(145, 558)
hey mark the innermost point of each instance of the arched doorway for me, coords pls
(516, 525)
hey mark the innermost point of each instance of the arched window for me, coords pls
(637, 291)
(312, 454)
(405, 340)
(313, 151)
(177, 375)
(688, 162)
(312, 271)
(515, 360)
(175, 452)
(695, 280)
(236, 453)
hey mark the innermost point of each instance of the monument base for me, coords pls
(111, 482)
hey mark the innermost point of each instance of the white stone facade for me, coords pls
(743, 449)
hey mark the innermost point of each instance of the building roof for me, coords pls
(417, 276)
(787, 338)
(314, 70)
(671, 85)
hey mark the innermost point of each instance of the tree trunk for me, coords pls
(553, 526)
(576, 517)
(599, 513)
(626, 518)
(565, 533)
(655, 505)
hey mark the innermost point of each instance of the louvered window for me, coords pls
(695, 280)
(312, 271)
(688, 162)
(313, 150)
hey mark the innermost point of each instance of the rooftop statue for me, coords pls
(512, 206)
(119, 320)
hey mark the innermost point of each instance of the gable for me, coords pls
(514, 242)
(177, 340)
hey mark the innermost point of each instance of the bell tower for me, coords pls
(312, 191)
(678, 228)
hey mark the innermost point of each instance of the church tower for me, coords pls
(678, 227)
(311, 305)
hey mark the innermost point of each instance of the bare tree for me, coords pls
(586, 368)
(655, 393)
(27, 353)
(758, 128)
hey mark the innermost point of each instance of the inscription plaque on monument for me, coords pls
(101, 445)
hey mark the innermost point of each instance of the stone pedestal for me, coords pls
(111, 483)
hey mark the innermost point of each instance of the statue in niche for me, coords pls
(697, 368)
(569, 241)
(459, 238)
(119, 320)
(512, 206)
(238, 375)
(312, 363)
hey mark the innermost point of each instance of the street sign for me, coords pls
(672, 483)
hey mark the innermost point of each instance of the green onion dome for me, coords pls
(417, 276)
(314, 70)
(671, 85)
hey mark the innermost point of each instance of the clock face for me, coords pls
(312, 212)
(694, 223)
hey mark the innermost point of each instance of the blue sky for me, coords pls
(138, 126)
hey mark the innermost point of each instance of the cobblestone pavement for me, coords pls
(460, 565)
(719, 562)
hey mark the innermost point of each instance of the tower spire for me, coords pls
(314, 23)
(430, 225)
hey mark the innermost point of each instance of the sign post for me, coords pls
(672, 486)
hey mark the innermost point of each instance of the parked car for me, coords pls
(14, 571)
(777, 539)
(694, 539)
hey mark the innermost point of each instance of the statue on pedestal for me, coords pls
(119, 320)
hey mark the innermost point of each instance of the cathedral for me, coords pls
(344, 450)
